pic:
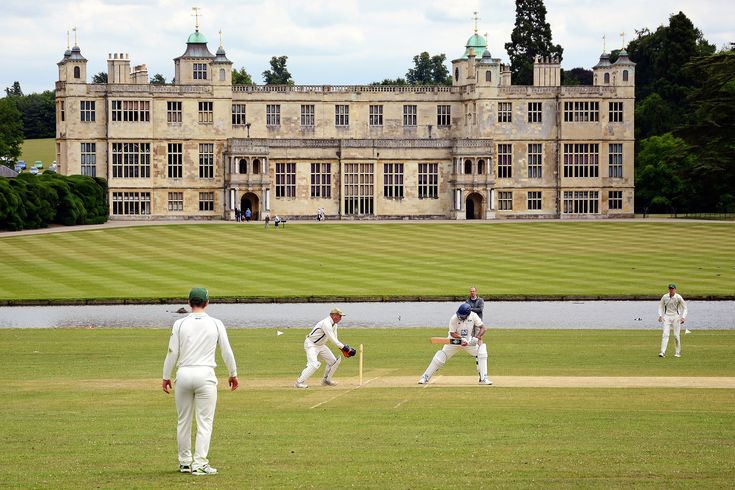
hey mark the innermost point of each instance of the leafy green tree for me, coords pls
(576, 76)
(531, 37)
(711, 133)
(158, 79)
(429, 70)
(278, 74)
(14, 91)
(654, 115)
(100, 77)
(39, 114)
(241, 77)
(661, 181)
(11, 130)
(388, 81)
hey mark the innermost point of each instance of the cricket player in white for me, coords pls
(193, 342)
(315, 346)
(672, 312)
(467, 327)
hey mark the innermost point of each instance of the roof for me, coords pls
(196, 47)
(7, 172)
(197, 37)
(477, 43)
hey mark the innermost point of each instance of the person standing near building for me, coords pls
(476, 303)
(468, 330)
(672, 312)
(248, 215)
(315, 346)
(191, 348)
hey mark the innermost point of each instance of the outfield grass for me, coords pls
(333, 261)
(43, 149)
(83, 408)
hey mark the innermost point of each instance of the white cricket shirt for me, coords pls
(323, 331)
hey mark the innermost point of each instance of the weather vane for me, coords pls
(67, 39)
(196, 16)
(220, 38)
(622, 37)
(604, 48)
(476, 19)
(75, 35)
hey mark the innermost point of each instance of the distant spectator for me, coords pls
(248, 215)
(476, 303)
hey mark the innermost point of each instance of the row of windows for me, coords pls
(575, 202)
(358, 181)
(139, 111)
(139, 203)
(360, 199)
(132, 160)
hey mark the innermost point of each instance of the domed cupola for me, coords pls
(477, 43)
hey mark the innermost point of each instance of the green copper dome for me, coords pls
(197, 38)
(477, 43)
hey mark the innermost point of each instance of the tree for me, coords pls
(39, 114)
(278, 74)
(388, 81)
(241, 77)
(660, 178)
(711, 132)
(429, 70)
(158, 79)
(576, 76)
(101, 77)
(531, 37)
(11, 131)
(14, 91)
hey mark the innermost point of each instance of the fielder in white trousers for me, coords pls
(672, 312)
(194, 340)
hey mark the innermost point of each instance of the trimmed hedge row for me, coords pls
(35, 201)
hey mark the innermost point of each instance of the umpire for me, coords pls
(476, 303)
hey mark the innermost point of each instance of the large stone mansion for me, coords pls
(481, 148)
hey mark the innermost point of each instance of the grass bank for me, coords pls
(83, 408)
(539, 260)
(43, 149)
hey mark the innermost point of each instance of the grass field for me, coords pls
(83, 409)
(327, 261)
(40, 149)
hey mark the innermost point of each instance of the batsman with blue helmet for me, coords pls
(466, 326)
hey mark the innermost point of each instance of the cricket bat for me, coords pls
(445, 340)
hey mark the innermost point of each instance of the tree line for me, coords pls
(36, 201)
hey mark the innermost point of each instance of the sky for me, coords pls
(336, 42)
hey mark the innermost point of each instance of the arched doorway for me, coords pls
(250, 201)
(474, 206)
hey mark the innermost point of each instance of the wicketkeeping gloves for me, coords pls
(348, 351)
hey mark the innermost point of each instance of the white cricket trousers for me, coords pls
(196, 390)
(313, 353)
(671, 321)
(442, 356)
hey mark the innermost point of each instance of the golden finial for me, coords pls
(196, 16)
(604, 48)
(476, 19)
(75, 35)
(220, 38)
(622, 37)
(67, 39)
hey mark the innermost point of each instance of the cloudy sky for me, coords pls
(326, 41)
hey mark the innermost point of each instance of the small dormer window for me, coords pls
(625, 75)
(456, 74)
(221, 74)
(488, 76)
(77, 72)
(607, 78)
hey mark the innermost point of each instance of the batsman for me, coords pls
(465, 332)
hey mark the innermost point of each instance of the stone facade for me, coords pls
(480, 149)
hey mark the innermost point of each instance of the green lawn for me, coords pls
(83, 409)
(40, 149)
(597, 259)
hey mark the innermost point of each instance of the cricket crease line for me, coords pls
(336, 396)
(400, 403)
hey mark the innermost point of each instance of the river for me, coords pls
(707, 315)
